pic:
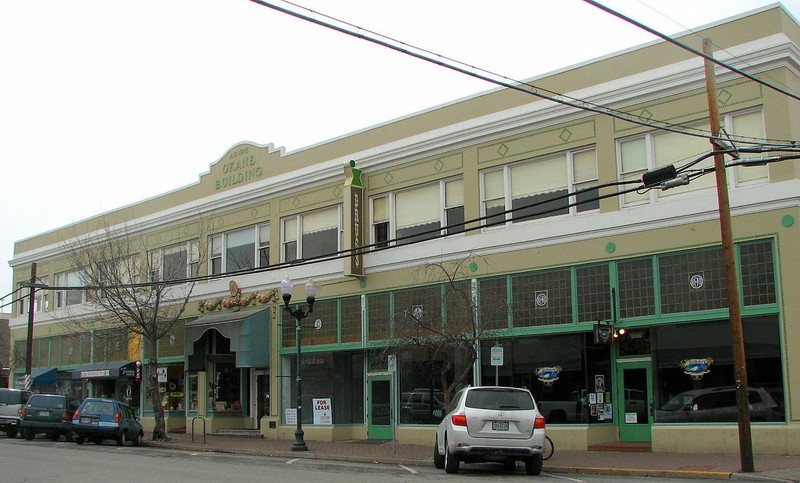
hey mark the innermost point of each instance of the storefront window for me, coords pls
(378, 308)
(351, 319)
(692, 281)
(422, 397)
(173, 393)
(225, 387)
(636, 288)
(758, 273)
(338, 376)
(493, 303)
(594, 293)
(565, 373)
(695, 379)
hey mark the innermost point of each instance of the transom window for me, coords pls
(541, 188)
(241, 249)
(420, 213)
(655, 150)
(312, 234)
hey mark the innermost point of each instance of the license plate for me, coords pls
(86, 420)
(43, 413)
(499, 425)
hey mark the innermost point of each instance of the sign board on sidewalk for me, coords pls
(392, 363)
(322, 411)
(290, 414)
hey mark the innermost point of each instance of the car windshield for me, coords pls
(491, 398)
(46, 402)
(102, 408)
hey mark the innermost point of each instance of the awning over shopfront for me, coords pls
(108, 370)
(44, 376)
(248, 331)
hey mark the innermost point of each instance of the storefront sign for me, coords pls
(90, 374)
(548, 375)
(322, 411)
(353, 197)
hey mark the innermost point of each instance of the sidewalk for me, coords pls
(700, 466)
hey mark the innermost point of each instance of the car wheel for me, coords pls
(438, 458)
(69, 437)
(79, 439)
(533, 466)
(450, 460)
(121, 439)
(11, 433)
(28, 434)
(137, 440)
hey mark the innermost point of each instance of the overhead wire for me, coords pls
(691, 49)
(488, 76)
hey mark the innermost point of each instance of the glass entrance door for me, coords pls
(379, 403)
(634, 396)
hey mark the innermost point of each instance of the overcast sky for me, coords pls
(104, 103)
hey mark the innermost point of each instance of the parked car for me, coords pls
(717, 404)
(97, 419)
(50, 414)
(11, 403)
(491, 423)
(421, 406)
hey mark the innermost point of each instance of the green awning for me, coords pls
(248, 331)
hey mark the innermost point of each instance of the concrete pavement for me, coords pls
(700, 466)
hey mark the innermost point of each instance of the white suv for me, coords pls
(11, 402)
(491, 423)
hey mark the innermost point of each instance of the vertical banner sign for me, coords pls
(353, 218)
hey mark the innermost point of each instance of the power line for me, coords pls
(489, 76)
(690, 49)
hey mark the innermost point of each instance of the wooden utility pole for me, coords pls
(31, 307)
(737, 333)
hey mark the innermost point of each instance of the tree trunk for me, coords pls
(159, 431)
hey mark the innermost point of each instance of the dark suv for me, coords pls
(11, 403)
(50, 414)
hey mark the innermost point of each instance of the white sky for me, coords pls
(104, 103)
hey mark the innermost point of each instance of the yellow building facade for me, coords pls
(534, 211)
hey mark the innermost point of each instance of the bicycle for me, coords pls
(549, 448)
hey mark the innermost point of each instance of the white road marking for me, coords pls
(564, 478)
(413, 472)
(292, 461)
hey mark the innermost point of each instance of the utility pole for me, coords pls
(31, 307)
(737, 333)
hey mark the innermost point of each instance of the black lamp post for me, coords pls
(298, 314)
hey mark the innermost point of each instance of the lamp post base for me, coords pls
(299, 444)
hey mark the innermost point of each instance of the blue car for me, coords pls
(98, 419)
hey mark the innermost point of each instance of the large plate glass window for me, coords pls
(241, 249)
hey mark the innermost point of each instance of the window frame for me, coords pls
(156, 260)
(572, 186)
(389, 226)
(221, 257)
(297, 243)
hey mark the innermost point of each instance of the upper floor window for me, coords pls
(550, 186)
(66, 297)
(655, 150)
(419, 213)
(241, 249)
(312, 234)
(176, 262)
(41, 298)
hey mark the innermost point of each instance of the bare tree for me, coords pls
(443, 323)
(135, 290)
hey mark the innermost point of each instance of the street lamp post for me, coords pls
(299, 314)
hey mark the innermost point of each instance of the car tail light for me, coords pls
(65, 416)
(117, 417)
(538, 423)
(22, 413)
(75, 415)
(459, 419)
